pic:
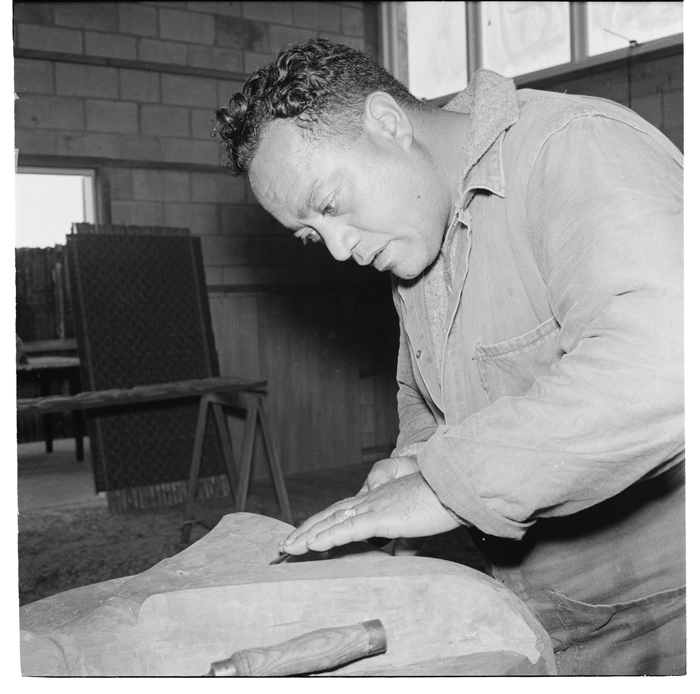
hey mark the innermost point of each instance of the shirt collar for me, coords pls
(491, 101)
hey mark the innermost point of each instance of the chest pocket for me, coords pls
(513, 366)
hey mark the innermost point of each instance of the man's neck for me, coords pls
(445, 135)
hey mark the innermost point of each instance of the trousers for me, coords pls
(608, 583)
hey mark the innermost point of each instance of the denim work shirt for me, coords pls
(557, 380)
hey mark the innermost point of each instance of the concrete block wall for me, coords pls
(130, 89)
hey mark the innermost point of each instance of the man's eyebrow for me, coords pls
(301, 211)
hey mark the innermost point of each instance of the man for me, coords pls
(535, 241)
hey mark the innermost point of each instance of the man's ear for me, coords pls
(384, 118)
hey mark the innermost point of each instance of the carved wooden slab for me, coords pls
(221, 595)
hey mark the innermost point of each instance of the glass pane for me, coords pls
(437, 48)
(612, 25)
(46, 205)
(521, 37)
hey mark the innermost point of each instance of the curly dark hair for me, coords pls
(320, 84)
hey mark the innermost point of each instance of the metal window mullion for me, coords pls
(394, 39)
(578, 28)
(474, 56)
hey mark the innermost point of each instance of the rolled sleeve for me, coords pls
(605, 215)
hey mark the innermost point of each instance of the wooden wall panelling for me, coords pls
(305, 346)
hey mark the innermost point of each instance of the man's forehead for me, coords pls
(281, 139)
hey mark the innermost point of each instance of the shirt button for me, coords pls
(418, 354)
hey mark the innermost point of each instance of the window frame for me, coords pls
(90, 189)
(394, 44)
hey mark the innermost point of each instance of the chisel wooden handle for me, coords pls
(313, 652)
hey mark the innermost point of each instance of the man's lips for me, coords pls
(381, 260)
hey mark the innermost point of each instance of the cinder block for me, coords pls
(188, 91)
(193, 27)
(88, 145)
(176, 185)
(247, 275)
(252, 61)
(282, 35)
(111, 116)
(657, 75)
(355, 41)
(224, 91)
(138, 147)
(110, 45)
(200, 219)
(157, 51)
(215, 58)
(317, 15)
(87, 80)
(33, 13)
(177, 149)
(120, 183)
(280, 12)
(352, 21)
(275, 250)
(175, 5)
(234, 32)
(33, 141)
(202, 122)
(45, 38)
(54, 112)
(672, 106)
(34, 76)
(226, 250)
(649, 108)
(102, 16)
(248, 219)
(147, 184)
(139, 20)
(219, 188)
(233, 9)
(161, 184)
(139, 85)
(166, 121)
(137, 213)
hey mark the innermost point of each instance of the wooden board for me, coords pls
(220, 595)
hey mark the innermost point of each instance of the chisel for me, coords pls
(316, 651)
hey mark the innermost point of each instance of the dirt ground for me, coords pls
(65, 548)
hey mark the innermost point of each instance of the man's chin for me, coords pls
(404, 274)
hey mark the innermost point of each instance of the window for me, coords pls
(48, 201)
(520, 37)
(613, 25)
(436, 46)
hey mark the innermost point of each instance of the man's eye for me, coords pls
(328, 209)
(307, 235)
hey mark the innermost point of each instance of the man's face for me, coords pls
(373, 199)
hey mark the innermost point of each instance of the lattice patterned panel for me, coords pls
(142, 317)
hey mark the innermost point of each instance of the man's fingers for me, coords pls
(310, 522)
(350, 529)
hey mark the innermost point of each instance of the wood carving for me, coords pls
(221, 595)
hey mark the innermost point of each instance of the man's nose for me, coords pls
(340, 241)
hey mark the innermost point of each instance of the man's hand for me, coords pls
(403, 507)
(386, 470)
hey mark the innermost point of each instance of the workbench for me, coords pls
(48, 371)
(213, 393)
